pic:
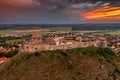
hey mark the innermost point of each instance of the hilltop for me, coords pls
(74, 64)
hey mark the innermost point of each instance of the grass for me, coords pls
(111, 32)
(8, 54)
(15, 41)
(74, 64)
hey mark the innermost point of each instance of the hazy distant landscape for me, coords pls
(95, 26)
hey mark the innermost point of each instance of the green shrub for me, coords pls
(9, 54)
(37, 54)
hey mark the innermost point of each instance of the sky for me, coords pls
(59, 11)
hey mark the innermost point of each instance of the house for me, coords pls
(79, 38)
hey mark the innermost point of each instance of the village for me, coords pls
(68, 40)
(63, 40)
(59, 41)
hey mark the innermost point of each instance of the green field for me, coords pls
(99, 32)
(15, 41)
(111, 32)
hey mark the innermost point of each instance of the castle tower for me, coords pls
(103, 42)
(36, 37)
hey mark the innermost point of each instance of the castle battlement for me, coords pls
(54, 43)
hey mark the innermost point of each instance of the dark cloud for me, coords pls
(49, 10)
(62, 4)
(66, 3)
(112, 2)
(55, 3)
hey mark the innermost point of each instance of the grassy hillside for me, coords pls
(74, 64)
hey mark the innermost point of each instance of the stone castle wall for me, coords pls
(41, 47)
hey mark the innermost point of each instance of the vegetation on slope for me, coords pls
(74, 64)
(8, 54)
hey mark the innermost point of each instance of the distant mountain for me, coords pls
(75, 64)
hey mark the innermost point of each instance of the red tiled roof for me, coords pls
(4, 58)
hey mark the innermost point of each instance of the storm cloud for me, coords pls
(77, 3)
(60, 4)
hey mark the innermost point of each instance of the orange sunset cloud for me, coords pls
(104, 13)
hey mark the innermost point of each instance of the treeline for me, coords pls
(91, 51)
(8, 54)
(8, 42)
(99, 53)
